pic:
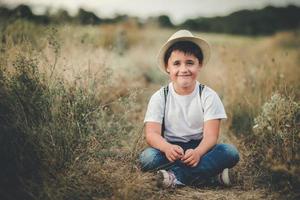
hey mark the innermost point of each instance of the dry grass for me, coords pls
(96, 82)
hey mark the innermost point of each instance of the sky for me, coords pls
(177, 10)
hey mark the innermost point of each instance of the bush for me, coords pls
(277, 141)
(50, 133)
(22, 107)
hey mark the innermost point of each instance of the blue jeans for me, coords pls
(221, 156)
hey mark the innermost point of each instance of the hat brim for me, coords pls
(203, 45)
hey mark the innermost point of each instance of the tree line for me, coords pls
(248, 22)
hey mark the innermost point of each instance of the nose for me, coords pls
(183, 68)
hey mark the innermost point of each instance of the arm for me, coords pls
(210, 138)
(153, 136)
(154, 139)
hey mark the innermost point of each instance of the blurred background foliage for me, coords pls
(265, 21)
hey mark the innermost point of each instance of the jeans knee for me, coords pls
(147, 159)
(231, 153)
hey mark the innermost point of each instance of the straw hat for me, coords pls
(183, 35)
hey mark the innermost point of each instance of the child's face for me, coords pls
(183, 69)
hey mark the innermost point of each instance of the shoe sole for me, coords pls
(225, 178)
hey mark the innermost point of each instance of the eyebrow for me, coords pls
(187, 61)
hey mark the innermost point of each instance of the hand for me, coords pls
(191, 157)
(174, 152)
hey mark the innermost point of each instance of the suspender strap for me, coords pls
(201, 88)
(166, 90)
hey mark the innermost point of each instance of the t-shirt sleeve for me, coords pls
(155, 108)
(213, 106)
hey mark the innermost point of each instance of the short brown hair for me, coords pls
(186, 47)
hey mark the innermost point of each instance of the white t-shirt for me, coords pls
(184, 115)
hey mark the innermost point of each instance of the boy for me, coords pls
(183, 119)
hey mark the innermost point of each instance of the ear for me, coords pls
(167, 69)
(200, 64)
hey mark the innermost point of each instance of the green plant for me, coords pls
(277, 148)
(51, 130)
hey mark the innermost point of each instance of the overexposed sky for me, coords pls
(178, 10)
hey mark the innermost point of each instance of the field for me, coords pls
(73, 98)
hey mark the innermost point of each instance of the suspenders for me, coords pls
(166, 91)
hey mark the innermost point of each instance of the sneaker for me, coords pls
(224, 178)
(167, 179)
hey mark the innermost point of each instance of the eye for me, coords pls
(190, 62)
(176, 63)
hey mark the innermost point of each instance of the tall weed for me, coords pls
(55, 133)
(272, 156)
(277, 131)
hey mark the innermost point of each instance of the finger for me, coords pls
(184, 157)
(168, 157)
(192, 163)
(173, 153)
(176, 155)
(190, 153)
(189, 164)
(172, 157)
(179, 150)
(187, 155)
(195, 164)
(188, 160)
